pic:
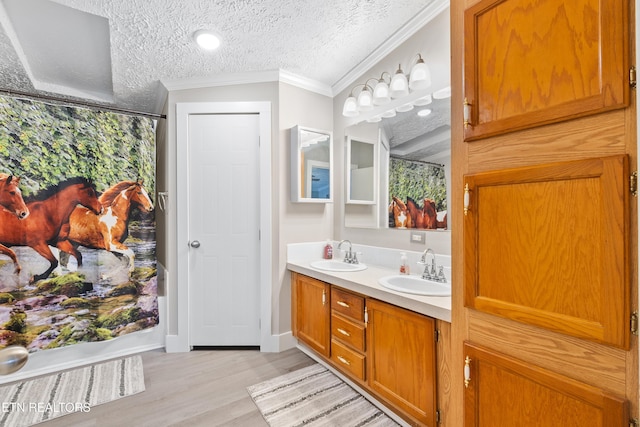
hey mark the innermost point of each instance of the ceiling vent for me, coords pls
(63, 50)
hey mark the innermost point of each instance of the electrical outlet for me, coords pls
(417, 237)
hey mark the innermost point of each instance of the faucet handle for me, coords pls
(441, 276)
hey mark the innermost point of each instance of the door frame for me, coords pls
(181, 341)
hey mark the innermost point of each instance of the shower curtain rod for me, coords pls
(19, 94)
(440, 165)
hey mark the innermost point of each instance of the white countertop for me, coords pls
(365, 282)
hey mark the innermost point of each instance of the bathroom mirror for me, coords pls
(414, 157)
(362, 165)
(311, 165)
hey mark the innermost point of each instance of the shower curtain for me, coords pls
(85, 264)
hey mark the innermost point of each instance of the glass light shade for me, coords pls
(399, 86)
(365, 100)
(404, 108)
(425, 100)
(388, 114)
(374, 119)
(350, 108)
(381, 93)
(420, 77)
(443, 93)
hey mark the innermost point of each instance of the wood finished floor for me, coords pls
(199, 388)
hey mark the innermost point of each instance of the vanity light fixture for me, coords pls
(387, 88)
(443, 93)
(425, 100)
(381, 91)
(206, 40)
(350, 108)
(404, 108)
(365, 99)
(420, 76)
(399, 86)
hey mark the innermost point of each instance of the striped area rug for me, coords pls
(44, 398)
(313, 396)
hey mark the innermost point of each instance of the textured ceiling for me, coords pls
(151, 40)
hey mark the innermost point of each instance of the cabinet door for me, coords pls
(531, 62)
(311, 312)
(501, 391)
(401, 360)
(548, 246)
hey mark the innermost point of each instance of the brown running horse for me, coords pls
(110, 229)
(49, 215)
(430, 214)
(416, 213)
(401, 216)
(11, 196)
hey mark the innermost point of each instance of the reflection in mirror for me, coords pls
(362, 167)
(414, 169)
(420, 144)
(311, 165)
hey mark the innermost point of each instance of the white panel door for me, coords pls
(224, 219)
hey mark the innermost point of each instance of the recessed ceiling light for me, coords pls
(424, 112)
(206, 39)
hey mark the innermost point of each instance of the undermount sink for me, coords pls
(335, 265)
(416, 285)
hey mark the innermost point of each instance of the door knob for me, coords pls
(195, 244)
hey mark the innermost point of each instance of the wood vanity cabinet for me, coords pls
(528, 63)
(311, 312)
(348, 332)
(387, 350)
(401, 359)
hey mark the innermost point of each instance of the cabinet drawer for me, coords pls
(347, 359)
(348, 304)
(348, 332)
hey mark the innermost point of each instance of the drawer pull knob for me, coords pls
(343, 332)
(343, 360)
(343, 304)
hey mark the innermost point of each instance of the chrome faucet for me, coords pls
(430, 269)
(349, 256)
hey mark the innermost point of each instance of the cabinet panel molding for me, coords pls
(401, 359)
(528, 63)
(506, 391)
(548, 244)
(586, 361)
(311, 315)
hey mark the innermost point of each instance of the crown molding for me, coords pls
(228, 79)
(410, 28)
(231, 79)
(305, 83)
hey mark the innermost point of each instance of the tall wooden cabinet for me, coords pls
(544, 140)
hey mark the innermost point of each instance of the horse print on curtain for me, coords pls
(417, 195)
(77, 225)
